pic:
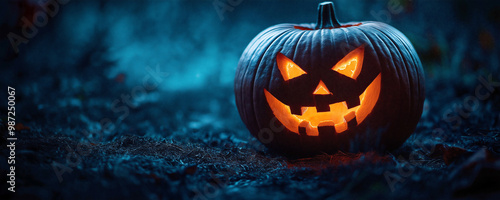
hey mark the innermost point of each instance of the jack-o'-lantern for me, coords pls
(310, 88)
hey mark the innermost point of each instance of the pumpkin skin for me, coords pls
(387, 58)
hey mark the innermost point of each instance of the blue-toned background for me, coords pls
(99, 50)
(104, 70)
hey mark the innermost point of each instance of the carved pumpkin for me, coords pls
(310, 88)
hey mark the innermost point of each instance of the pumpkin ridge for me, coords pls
(392, 68)
(251, 113)
(254, 88)
(246, 67)
(418, 70)
(297, 44)
(409, 69)
(403, 71)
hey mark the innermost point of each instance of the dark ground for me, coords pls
(143, 159)
(191, 144)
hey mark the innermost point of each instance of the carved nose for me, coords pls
(321, 89)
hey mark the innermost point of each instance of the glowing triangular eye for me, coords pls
(351, 64)
(288, 68)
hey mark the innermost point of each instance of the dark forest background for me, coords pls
(83, 77)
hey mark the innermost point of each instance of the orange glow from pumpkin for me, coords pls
(322, 89)
(351, 64)
(338, 116)
(288, 68)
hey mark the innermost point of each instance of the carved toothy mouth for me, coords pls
(340, 117)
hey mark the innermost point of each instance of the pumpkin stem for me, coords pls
(326, 16)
